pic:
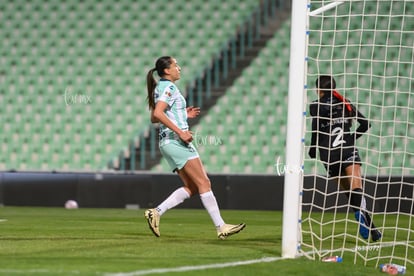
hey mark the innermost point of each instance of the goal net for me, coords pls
(368, 47)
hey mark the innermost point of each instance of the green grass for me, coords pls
(56, 241)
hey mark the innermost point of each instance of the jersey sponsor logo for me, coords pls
(334, 122)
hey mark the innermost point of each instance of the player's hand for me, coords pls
(186, 136)
(192, 111)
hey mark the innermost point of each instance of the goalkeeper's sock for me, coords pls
(356, 199)
(177, 197)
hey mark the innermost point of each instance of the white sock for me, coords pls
(177, 197)
(210, 203)
(363, 204)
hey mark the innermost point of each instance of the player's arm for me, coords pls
(313, 112)
(153, 119)
(364, 124)
(160, 116)
(312, 149)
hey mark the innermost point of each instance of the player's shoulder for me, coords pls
(167, 88)
(170, 87)
(166, 84)
(313, 108)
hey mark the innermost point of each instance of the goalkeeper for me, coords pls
(332, 118)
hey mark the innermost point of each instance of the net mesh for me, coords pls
(368, 47)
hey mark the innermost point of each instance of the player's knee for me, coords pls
(205, 184)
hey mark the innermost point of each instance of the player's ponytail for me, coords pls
(160, 65)
(151, 84)
(342, 99)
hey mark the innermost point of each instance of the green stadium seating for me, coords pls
(104, 49)
(101, 50)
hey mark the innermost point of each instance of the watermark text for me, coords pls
(72, 99)
(206, 140)
(282, 169)
(367, 248)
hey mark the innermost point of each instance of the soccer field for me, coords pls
(56, 241)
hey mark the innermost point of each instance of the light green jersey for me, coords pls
(166, 91)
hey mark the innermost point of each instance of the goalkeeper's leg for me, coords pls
(354, 183)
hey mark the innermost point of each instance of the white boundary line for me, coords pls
(223, 265)
(197, 267)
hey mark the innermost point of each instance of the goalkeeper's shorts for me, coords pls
(339, 162)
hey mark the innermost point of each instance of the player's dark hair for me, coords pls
(327, 84)
(161, 64)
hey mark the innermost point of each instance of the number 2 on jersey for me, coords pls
(339, 133)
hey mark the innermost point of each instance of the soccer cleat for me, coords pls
(363, 228)
(229, 229)
(153, 218)
(375, 235)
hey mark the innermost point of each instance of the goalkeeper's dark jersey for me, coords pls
(332, 118)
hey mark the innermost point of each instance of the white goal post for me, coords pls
(294, 145)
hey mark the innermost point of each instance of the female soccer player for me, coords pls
(168, 107)
(332, 118)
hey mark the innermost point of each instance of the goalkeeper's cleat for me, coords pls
(363, 228)
(153, 218)
(375, 235)
(229, 229)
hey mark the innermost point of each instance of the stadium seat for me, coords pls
(102, 50)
